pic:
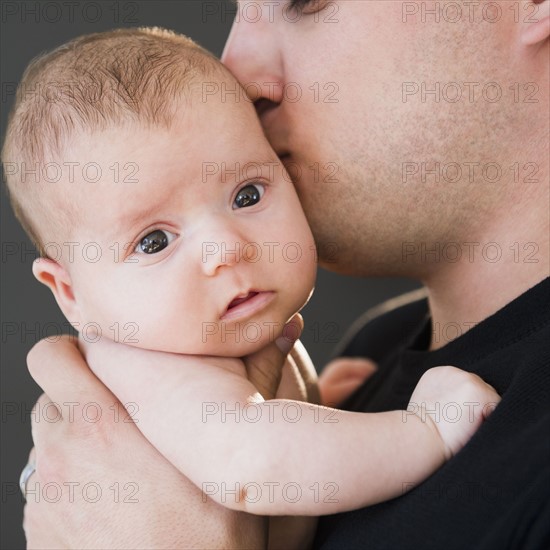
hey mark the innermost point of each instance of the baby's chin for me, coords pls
(233, 342)
(241, 344)
(238, 339)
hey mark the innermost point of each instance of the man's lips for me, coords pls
(276, 126)
(246, 304)
(263, 106)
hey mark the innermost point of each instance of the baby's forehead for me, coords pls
(126, 164)
(205, 125)
(138, 78)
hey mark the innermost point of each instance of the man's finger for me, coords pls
(349, 367)
(264, 368)
(342, 376)
(45, 411)
(307, 372)
(60, 370)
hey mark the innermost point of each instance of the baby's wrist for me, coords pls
(431, 427)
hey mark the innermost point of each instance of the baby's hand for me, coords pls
(455, 402)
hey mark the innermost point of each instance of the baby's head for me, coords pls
(163, 217)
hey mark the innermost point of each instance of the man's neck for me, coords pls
(491, 273)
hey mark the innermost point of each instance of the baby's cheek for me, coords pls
(177, 321)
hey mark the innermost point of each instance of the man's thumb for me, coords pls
(265, 367)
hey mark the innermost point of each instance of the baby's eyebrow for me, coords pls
(132, 221)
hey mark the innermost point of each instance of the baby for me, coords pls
(172, 237)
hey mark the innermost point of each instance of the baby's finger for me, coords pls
(491, 401)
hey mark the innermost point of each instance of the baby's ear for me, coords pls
(58, 280)
(536, 27)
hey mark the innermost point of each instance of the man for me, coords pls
(424, 96)
(426, 124)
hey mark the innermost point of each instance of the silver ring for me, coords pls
(27, 472)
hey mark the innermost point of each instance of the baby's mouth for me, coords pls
(240, 299)
(247, 304)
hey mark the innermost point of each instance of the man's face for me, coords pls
(204, 248)
(342, 98)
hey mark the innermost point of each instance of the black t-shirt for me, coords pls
(495, 493)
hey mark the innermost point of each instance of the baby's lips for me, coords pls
(247, 303)
(240, 299)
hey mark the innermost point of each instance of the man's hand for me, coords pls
(341, 377)
(264, 368)
(116, 490)
(338, 380)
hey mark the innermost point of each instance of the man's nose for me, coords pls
(253, 54)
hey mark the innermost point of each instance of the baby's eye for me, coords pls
(154, 242)
(249, 195)
(308, 6)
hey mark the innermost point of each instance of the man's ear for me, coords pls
(58, 280)
(536, 22)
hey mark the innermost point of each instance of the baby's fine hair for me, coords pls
(89, 84)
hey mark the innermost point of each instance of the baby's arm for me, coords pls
(280, 457)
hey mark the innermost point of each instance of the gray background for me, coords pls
(28, 309)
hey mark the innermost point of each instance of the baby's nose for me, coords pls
(218, 254)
